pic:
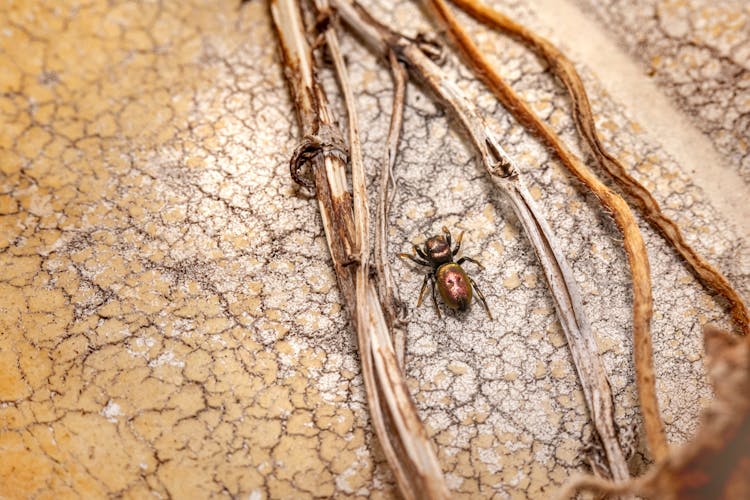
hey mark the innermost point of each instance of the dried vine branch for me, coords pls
(394, 416)
(506, 176)
(632, 238)
(636, 192)
(395, 310)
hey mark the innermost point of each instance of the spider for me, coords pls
(454, 285)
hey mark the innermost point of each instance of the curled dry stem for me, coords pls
(636, 192)
(632, 238)
(394, 308)
(506, 176)
(394, 415)
(603, 487)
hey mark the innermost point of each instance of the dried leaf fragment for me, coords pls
(716, 462)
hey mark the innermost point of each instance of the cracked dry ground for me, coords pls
(169, 322)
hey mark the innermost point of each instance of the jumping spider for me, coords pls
(454, 285)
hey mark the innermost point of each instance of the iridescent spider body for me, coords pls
(450, 279)
(454, 286)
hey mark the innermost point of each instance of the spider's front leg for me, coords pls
(414, 259)
(458, 240)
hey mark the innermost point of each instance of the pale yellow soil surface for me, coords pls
(169, 321)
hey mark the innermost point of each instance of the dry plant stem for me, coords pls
(361, 215)
(361, 225)
(716, 461)
(505, 175)
(394, 308)
(632, 238)
(639, 195)
(599, 485)
(394, 416)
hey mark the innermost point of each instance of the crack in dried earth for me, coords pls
(170, 322)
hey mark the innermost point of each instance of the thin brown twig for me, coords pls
(394, 308)
(633, 240)
(636, 192)
(361, 222)
(381, 423)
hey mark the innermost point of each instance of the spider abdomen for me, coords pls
(454, 286)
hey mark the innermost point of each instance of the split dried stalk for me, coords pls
(716, 461)
(636, 192)
(394, 415)
(505, 175)
(394, 308)
(632, 238)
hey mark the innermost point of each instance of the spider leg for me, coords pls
(434, 297)
(469, 259)
(419, 252)
(447, 236)
(458, 243)
(414, 259)
(481, 297)
(424, 289)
